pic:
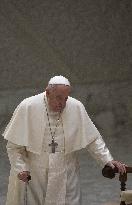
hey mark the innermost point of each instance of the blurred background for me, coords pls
(90, 43)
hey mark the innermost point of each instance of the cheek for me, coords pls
(64, 103)
(53, 103)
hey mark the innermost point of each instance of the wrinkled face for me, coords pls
(57, 97)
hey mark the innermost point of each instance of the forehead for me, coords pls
(61, 90)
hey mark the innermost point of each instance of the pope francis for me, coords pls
(44, 135)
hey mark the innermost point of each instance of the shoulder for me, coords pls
(31, 100)
(74, 102)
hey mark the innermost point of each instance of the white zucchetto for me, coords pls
(59, 80)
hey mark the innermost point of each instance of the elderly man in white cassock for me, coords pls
(44, 135)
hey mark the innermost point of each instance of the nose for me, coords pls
(60, 104)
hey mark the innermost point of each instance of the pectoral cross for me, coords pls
(53, 145)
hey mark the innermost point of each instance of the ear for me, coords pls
(70, 89)
(47, 92)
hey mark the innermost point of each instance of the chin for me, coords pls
(59, 110)
(56, 110)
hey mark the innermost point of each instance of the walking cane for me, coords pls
(25, 190)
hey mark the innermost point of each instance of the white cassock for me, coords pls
(54, 176)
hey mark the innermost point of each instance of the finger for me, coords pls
(121, 169)
(24, 179)
(23, 176)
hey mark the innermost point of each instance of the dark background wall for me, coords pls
(89, 42)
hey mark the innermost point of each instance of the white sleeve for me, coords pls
(18, 157)
(99, 151)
